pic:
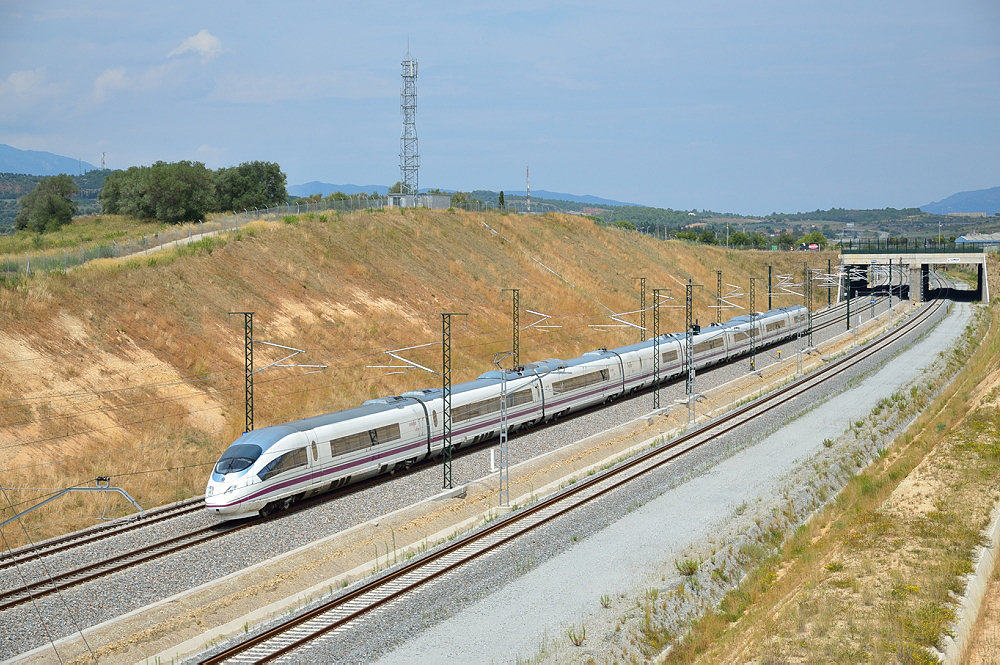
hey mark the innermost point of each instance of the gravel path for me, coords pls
(522, 603)
(52, 617)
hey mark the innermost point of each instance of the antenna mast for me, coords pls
(527, 184)
(409, 159)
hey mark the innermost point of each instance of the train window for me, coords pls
(481, 408)
(386, 434)
(434, 414)
(237, 457)
(518, 398)
(290, 460)
(669, 355)
(701, 347)
(582, 381)
(350, 443)
(771, 327)
(315, 452)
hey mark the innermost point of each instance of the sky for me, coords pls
(725, 105)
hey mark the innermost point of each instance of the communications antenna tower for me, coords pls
(409, 158)
(527, 184)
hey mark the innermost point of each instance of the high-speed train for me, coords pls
(272, 467)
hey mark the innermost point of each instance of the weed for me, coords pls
(577, 637)
(687, 567)
(605, 601)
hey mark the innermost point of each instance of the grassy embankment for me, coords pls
(131, 367)
(88, 231)
(872, 577)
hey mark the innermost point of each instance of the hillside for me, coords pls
(132, 368)
(36, 162)
(980, 200)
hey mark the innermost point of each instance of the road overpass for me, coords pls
(910, 264)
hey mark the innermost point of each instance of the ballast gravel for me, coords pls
(629, 543)
(49, 618)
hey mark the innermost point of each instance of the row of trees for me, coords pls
(185, 191)
(754, 240)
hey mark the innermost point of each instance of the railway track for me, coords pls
(337, 614)
(69, 578)
(69, 541)
(62, 580)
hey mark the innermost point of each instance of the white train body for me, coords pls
(274, 466)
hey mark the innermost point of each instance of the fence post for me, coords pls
(27, 265)
(65, 262)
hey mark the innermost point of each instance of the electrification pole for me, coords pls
(847, 279)
(248, 371)
(807, 294)
(769, 308)
(689, 347)
(688, 339)
(656, 347)
(515, 333)
(504, 455)
(829, 286)
(446, 394)
(718, 288)
(642, 307)
(753, 327)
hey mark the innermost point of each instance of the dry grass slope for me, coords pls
(131, 368)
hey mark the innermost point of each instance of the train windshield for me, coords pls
(237, 457)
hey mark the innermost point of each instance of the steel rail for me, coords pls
(351, 605)
(69, 541)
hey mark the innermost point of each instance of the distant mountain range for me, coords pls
(326, 189)
(980, 200)
(35, 162)
(38, 163)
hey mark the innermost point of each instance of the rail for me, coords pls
(356, 603)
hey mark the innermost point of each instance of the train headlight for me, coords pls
(210, 490)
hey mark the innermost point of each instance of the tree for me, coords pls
(501, 203)
(180, 192)
(815, 237)
(396, 188)
(739, 239)
(250, 185)
(47, 207)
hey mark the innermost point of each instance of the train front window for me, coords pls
(237, 458)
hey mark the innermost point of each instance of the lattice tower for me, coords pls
(409, 158)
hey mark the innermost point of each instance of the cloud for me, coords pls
(24, 86)
(25, 89)
(118, 79)
(205, 43)
(108, 81)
